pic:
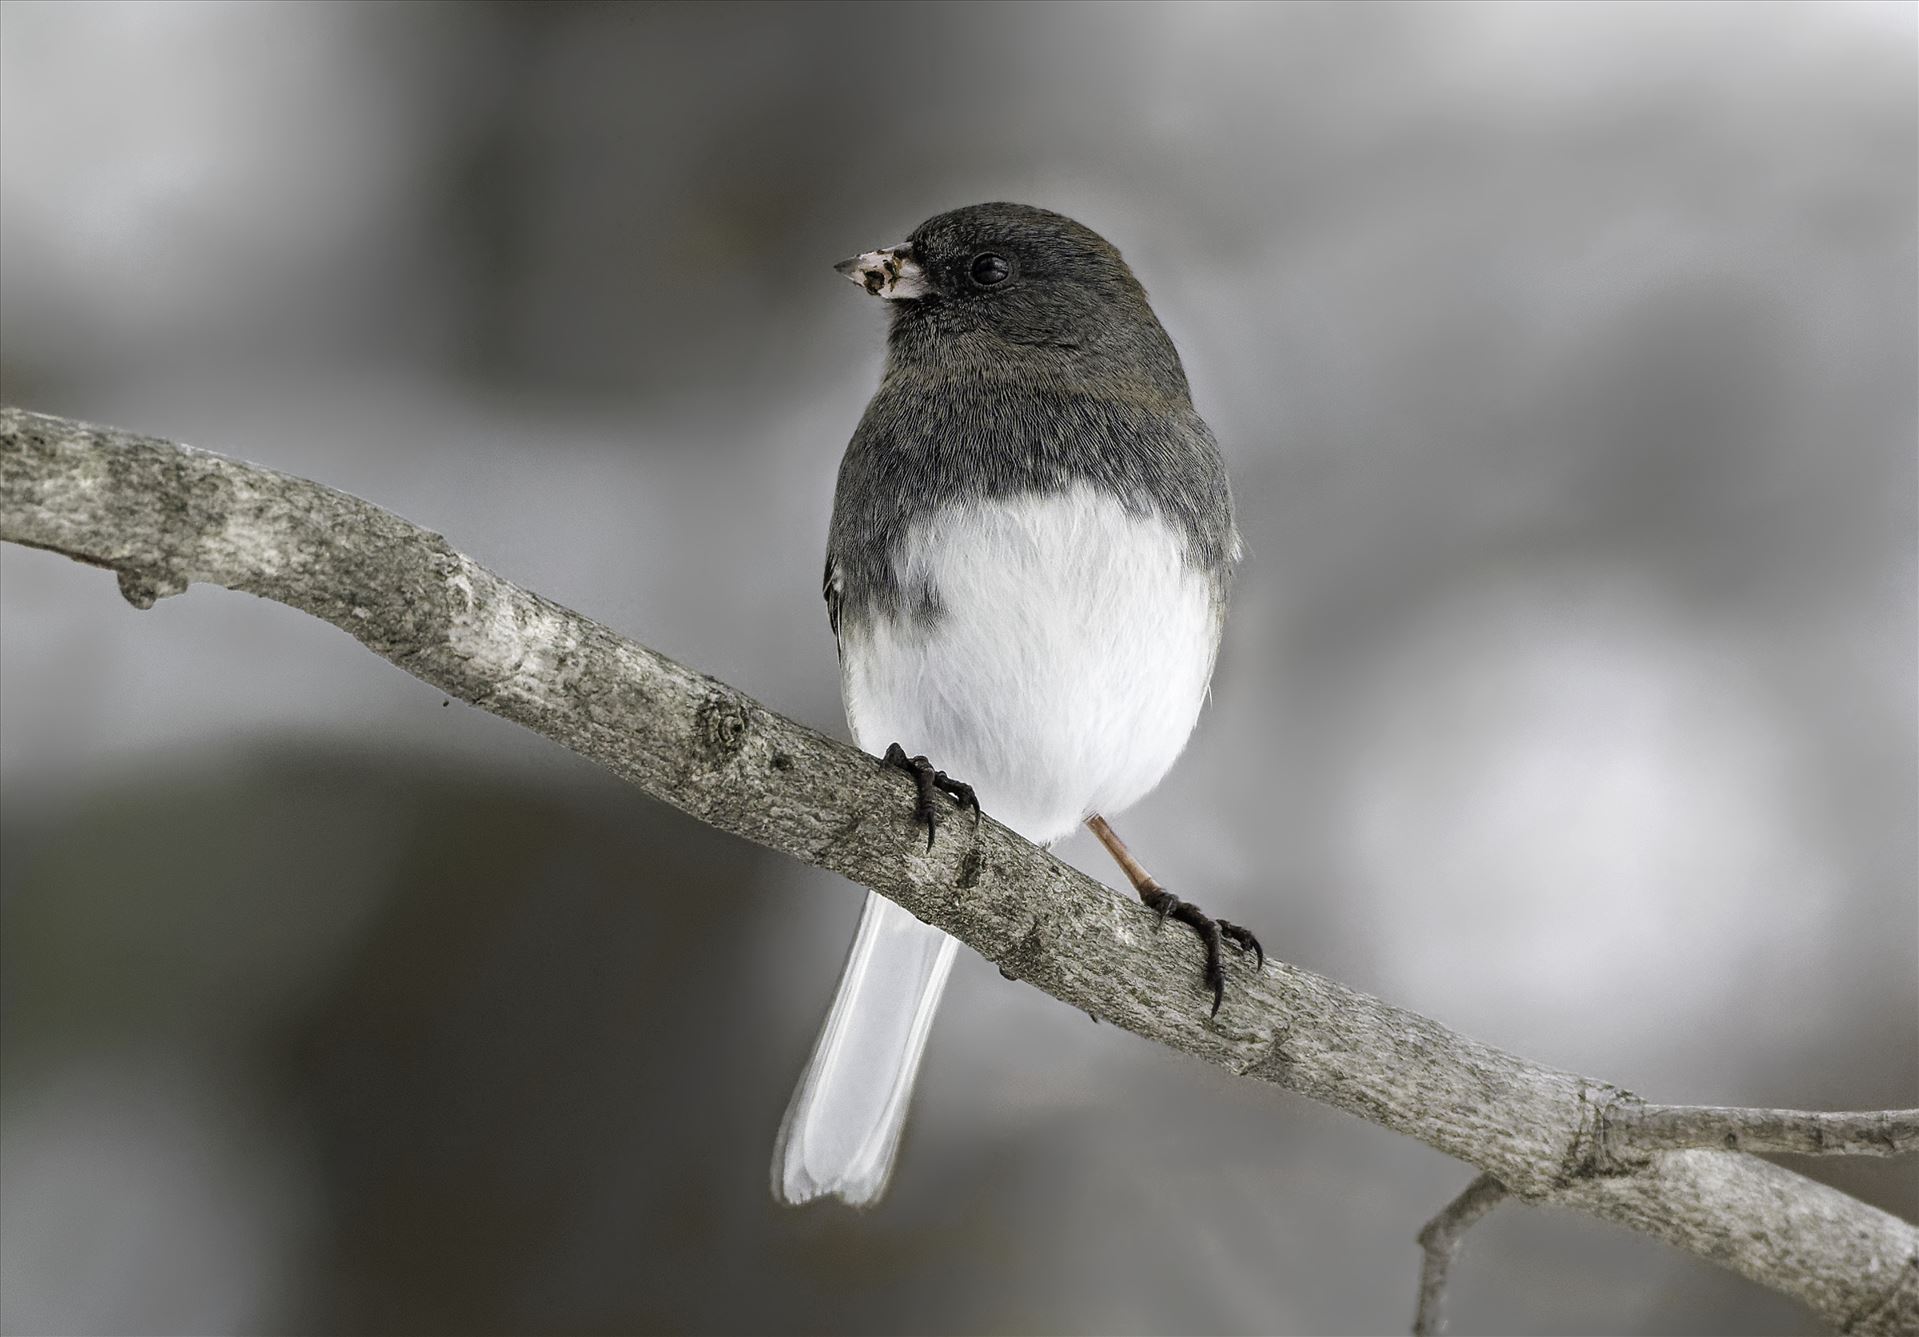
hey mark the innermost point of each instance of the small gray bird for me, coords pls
(1027, 573)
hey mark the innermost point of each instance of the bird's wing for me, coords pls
(831, 586)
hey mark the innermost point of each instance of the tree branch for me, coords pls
(1796, 1132)
(163, 515)
(1440, 1241)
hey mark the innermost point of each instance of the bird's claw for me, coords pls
(1211, 932)
(929, 782)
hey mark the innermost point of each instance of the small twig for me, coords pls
(1799, 1132)
(1440, 1239)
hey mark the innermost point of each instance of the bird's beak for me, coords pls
(891, 273)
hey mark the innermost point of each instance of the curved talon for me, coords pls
(958, 790)
(1243, 939)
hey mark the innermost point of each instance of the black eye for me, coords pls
(989, 269)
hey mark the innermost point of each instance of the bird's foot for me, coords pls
(1211, 932)
(930, 782)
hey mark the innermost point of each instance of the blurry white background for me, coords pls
(1564, 357)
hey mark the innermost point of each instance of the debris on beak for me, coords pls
(891, 273)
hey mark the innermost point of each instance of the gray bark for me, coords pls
(1799, 1132)
(163, 515)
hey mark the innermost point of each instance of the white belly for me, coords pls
(1064, 669)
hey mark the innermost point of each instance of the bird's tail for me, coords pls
(842, 1128)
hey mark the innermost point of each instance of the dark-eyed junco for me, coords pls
(1031, 548)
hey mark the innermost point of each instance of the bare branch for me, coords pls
(1795, 1132)
(1440, 1240)
(163, 515)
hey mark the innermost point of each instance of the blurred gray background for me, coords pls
(1564, 357)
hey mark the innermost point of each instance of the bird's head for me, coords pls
(996, 284)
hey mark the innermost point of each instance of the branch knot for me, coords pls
(143, 587)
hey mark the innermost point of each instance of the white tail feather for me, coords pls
(842, 1128)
